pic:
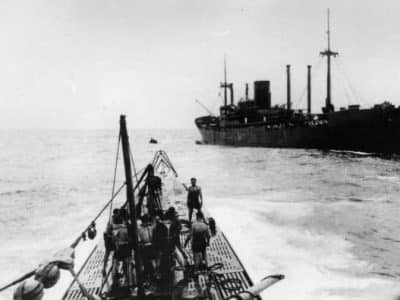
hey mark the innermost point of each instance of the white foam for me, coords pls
(316, 265)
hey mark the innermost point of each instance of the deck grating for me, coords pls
(220, 251)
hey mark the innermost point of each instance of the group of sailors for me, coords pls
(158, 236)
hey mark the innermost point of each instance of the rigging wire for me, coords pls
(115, 175)
(301, 98)
(76, 242)
(339, 81)
(356, 95)
(133, 164)
(78, 239)
(73, 245)
(217, 102)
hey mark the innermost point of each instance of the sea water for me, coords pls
(330, 222)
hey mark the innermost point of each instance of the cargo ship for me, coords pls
(255, 122)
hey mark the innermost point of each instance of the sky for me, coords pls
(79, 64)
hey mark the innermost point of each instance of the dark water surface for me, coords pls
(329, 222)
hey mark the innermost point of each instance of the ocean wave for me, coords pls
(353, 199)
(390, 239)
(17, 192)
(384, 274)
(356, 234)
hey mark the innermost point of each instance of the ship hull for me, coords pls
(365, 131)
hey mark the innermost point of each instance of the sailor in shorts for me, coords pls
(194, 198)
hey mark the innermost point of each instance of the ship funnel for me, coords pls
(309, 89)
(288, 92)
(262, 94)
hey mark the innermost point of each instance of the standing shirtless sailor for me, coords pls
(154, 191)
(194, 197)
(200, 236)
(117, 240)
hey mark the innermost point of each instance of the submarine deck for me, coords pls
(233, 277)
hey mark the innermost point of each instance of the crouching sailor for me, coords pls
(200, 237)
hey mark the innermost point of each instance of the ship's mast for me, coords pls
(309, 89)
(225, 84)
(329, 53)
(288, 90)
